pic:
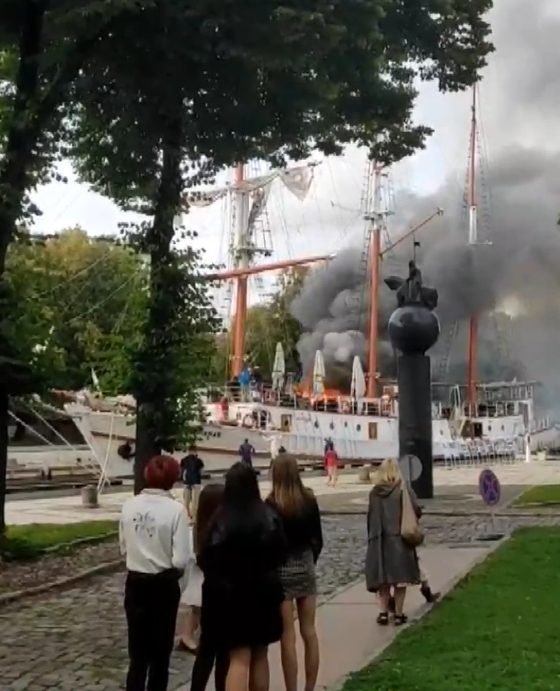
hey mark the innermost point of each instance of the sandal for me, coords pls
(383, 618)
(400, 619)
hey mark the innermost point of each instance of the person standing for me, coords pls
(274, 441)
(191, 474)
(390, 562)
(154, 538)
(301, 520)
(331, 464)
(208, 654)
(242, 593)
(244, 383)
(246, 453)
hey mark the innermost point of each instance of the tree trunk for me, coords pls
(146, 445)
(4, 401)
(151, 394)
(14, 169)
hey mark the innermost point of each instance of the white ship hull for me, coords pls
(364, 438)
(302, 432)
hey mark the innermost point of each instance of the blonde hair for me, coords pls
(389, 472)
(288, 494)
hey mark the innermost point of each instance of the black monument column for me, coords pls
(413, 329)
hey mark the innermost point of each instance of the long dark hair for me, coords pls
(209, 502)
(241, 491)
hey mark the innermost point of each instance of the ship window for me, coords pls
(331, 425)
(489, 428)
(372, 430)
(441, 432)
(316, 424)
(358, 428)
(503, 428)
(286, 423)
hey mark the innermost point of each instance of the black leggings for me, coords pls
(206, 657)
(151, 604)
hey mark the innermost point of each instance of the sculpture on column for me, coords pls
(414, 329)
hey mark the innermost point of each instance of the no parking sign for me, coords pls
(489, 487)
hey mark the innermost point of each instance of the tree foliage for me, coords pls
(43, 44)
(206, 83)
(79, 304)
(144, 86)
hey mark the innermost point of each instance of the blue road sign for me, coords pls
(489, 487)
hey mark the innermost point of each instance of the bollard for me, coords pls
(364, 474)
(89, 497)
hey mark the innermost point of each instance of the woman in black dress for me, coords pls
(208, 654)
(241, 592)
(301, 520)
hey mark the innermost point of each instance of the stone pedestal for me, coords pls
(413, 329)
(415, 418)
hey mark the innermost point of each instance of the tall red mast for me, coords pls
(242, 262)
(473, 240)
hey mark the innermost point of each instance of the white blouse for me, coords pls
(154, 533)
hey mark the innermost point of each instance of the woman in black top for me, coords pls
(208, 654)
(301, 519)
(241, 592)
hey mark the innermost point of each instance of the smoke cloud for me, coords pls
(513, 283)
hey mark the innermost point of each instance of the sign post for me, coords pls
(491, 492)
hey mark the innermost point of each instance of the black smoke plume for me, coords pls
(513, 284)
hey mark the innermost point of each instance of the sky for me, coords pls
(512, 113)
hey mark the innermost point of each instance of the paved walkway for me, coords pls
(76, 639)
(455, 488)
(348, 635)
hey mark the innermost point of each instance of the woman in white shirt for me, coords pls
(154, 537)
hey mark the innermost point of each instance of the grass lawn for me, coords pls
(498, 631)
(30, 541)
(541, 494)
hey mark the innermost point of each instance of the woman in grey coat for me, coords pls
(390, 562)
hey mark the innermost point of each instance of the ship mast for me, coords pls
(378, 219)
(374, 265)
(242, 261)
(473, 240)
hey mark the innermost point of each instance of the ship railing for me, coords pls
(478, 452)
(330, 401)
(540, 425)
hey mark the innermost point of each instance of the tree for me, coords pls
(43, 44)
(79, 305)
(213, 83)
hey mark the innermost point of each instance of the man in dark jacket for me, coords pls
(246, 453)
(191, 474)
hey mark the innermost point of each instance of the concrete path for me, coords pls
(348, 634)
(452, 486)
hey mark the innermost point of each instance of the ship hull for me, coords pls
(357, 438)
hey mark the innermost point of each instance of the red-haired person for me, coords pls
(154, 537)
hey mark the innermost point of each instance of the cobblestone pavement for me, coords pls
(27, 574)
(75, 640)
